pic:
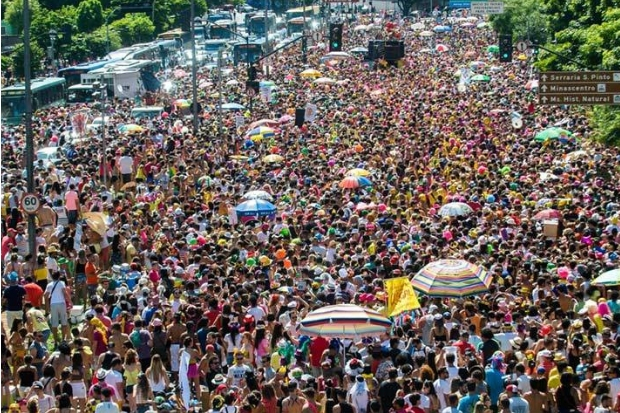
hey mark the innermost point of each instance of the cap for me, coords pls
(512, 389)
(37, 385)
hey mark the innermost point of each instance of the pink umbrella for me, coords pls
(179, 73)
(548, 214)
(442, 48)
(264, 122)
(285, 119)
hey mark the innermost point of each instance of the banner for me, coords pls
(186, 393)
(401, 296)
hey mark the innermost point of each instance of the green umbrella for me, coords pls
(551, 133)
(493, 48)
(609, 278)
(481, 78)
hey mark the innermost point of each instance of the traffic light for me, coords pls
(335, 37)
(505, 48)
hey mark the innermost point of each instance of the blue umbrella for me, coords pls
(442, 29)
(255, 208)
(232, 106)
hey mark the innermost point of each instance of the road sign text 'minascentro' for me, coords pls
(579, 88)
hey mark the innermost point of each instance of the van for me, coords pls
(147, 112)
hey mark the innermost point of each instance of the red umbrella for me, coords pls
(548, 214)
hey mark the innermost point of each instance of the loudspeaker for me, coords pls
(300, 117)
(394, 50)
(376, 49)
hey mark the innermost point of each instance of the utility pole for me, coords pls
(104, 94)
(267, 48)
(194, 80)
(32, 230)
(219, 93)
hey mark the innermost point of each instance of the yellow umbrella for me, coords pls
(310, 73)
(273, 158)
(522, 57)
(239, 157)
(358, 172)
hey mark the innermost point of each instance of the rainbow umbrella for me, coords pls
(608, 278)
(455, 209)
(344, 321)
(548, 214)
(452, 278)
(351, 182)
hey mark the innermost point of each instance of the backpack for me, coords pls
(135, 339)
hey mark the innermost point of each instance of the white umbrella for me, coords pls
(337, 56)
(418, 26)
(232, 82)
(360, 28)
(325, 81)
(264, 195)
(427, 33)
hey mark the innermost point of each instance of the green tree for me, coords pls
(36, 57)
(406, 6)
(134, 28)
(53, 19)
(90, 15)
(14, 13)
(5, 62)
(524, 19)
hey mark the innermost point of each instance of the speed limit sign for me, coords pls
(30, 203)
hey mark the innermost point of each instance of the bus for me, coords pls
(72, 74)
(296, 25)
(252, 51)
(257, 25)
(222, 29)
(46, 92)
(177, 34)
(81, 93)
(311, 12)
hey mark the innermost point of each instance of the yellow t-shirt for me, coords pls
(40, 274)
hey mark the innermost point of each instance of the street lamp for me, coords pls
(107, 30)
(100, 91)
(53, 37)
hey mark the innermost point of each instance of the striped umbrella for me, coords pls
(608, 278)
(452, 278)
(344, 321)
(351, 182)
(255, 208)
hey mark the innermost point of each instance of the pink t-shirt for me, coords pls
(71, 200)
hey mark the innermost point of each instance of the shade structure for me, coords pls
(351, 182)
(344, 321)
(548, 214)
(455, 209)
(452, 278)
(608, 278)
(255, 208)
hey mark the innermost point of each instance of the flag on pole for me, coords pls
(401, 296)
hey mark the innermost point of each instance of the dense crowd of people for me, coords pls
(146, 282)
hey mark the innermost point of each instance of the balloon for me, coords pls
(305, 151)
(285, 232)
(280, 254)
(447, 234)
(382, 207)
(331, 162)
(331, 231)
(505, 170)
(287, 264)
(359, 148)
(482, 170)
(193, 241)
(201, 240)
(250, 262)
(490, 199)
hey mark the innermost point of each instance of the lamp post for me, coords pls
(100, 90)
(107, 30)
(52, 53)
(32, 233)
(194, 80)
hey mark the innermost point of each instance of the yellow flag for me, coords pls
(401, 296)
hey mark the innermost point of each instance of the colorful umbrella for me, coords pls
(131, 128)
(552, 133)
(255, 208)
(441, 48)
(264, 122)
(481, 78)
(310, 73)
(455, 209)
(548, 214)
(264, 195)
(273, 158)
(358, 172)
(179, 73)
(182, 103)
(344, 321)
(608, 278)
(351, 182)
(452, 278)
(262, 131)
